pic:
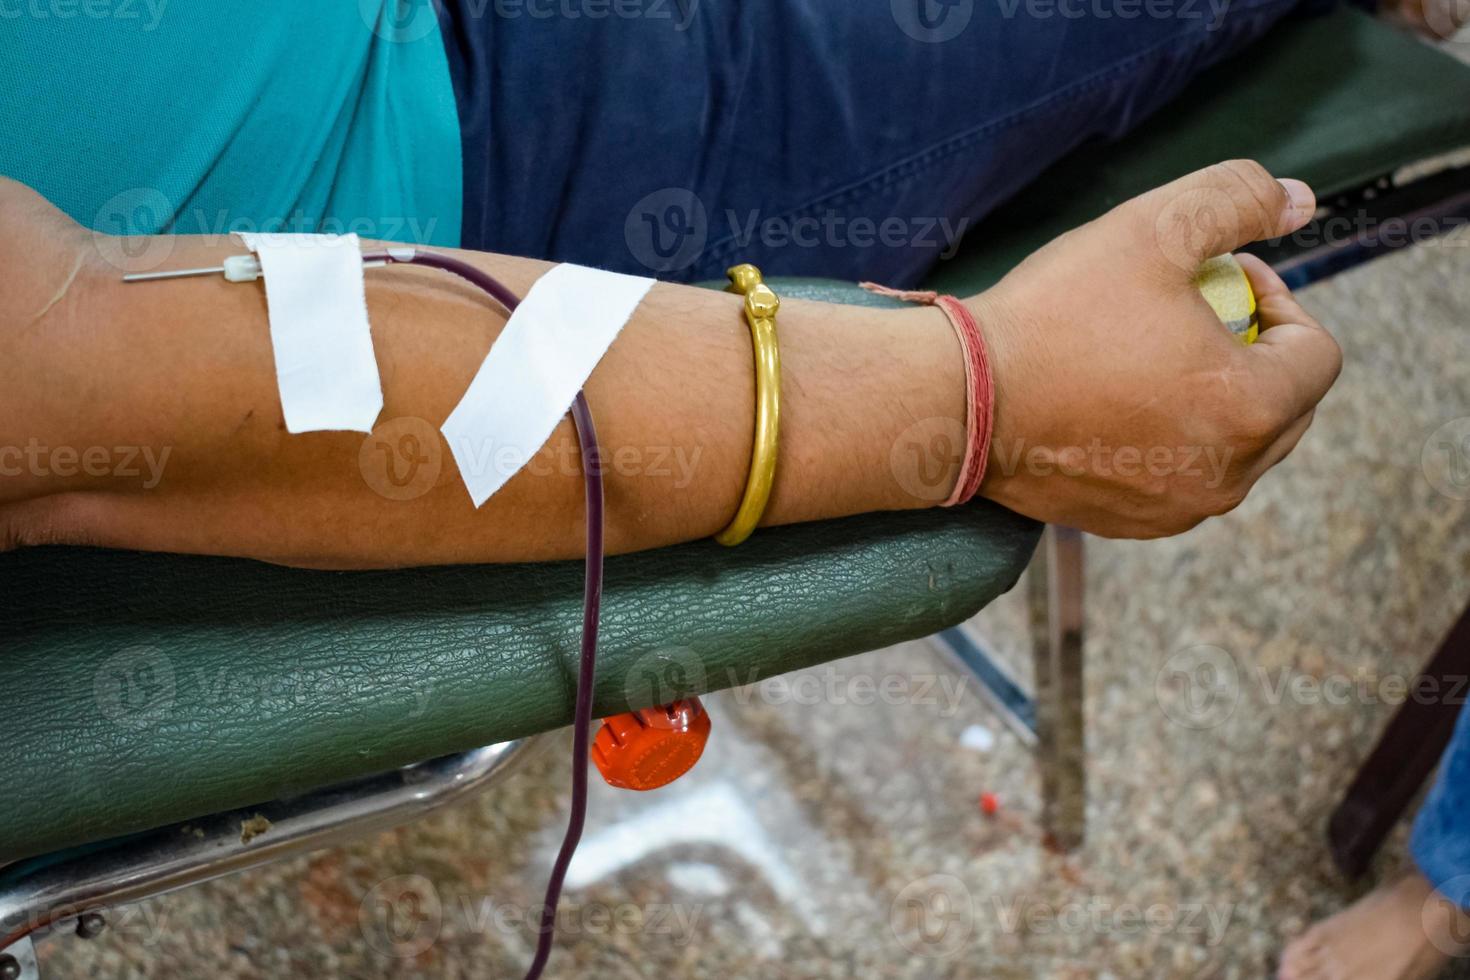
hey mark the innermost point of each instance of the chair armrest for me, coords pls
(143, 689)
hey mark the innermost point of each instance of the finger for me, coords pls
(1296, 364)
(1284, 444)
(1274, 300)
(1217, 210)
(1264, 280)
(1295, 355)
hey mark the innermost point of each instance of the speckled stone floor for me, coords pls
(823, 836)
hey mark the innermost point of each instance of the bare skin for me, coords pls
(1103, 352)
(1403, 930)
(1437, 20)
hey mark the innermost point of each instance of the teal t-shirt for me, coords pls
(195, 117)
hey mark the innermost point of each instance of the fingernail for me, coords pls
(1303, 201)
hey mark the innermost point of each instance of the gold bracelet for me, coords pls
(761, 305)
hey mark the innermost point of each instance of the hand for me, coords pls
(1437, 20)
(1123, 406)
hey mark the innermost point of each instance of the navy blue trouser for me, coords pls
(845, 138)
(1441, 841)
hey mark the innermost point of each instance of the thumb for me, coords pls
(1215, 210)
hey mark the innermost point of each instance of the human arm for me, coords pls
(90, 362)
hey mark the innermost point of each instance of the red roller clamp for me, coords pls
(652, 747)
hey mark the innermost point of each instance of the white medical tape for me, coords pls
(325, 368)
(541, 359)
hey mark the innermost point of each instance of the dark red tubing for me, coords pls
(591, 601)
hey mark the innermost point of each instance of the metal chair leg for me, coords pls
(37, 898)
(1055, 592)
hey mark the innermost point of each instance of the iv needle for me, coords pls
(173, 274)
(246, 268)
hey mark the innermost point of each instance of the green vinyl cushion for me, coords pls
(144, 689)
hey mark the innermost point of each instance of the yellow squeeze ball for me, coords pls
(1226, 288)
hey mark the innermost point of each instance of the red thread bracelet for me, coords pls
(979, 385)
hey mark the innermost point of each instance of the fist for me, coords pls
(1123, 406)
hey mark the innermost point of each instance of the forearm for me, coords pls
(185, 368)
